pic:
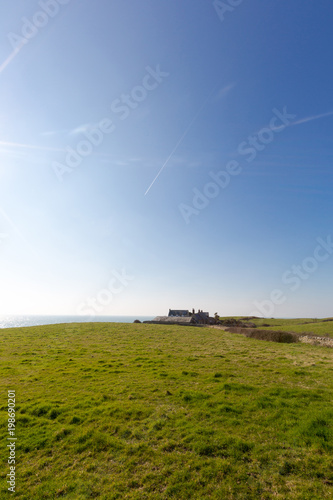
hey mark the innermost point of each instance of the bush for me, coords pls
(273, 336)
(269, 335)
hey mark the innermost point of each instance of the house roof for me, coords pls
(179, 312)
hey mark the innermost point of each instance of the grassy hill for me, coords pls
(140, 411)
(320, 327)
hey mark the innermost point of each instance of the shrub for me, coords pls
(269, 335)
(273, 336)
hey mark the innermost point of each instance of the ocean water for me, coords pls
(19, 321)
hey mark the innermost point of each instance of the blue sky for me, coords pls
(114, 117)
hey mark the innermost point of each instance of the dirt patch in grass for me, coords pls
(314, 340)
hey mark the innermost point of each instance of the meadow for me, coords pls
(139, 411)
(314, 327)
(320, 327)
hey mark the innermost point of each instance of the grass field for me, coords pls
(140, 411)
(305, 325)
(301, 325)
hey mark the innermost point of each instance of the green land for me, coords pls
(140, 411)
(320, 327)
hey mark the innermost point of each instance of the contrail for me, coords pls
(310, 118)
(183, 136)
(173, 151)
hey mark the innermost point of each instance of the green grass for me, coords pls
(141, 411)
(324, 329)
(300, 325)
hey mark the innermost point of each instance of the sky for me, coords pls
(158, 155)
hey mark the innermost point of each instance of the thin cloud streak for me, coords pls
(80, 129)
(311, 118)
(226, 89)
(301, 121)
(54, 132)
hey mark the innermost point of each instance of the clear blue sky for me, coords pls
(181, 91)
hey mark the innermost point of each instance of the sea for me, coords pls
(19, 321)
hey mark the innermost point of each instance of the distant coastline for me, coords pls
(12, 321)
